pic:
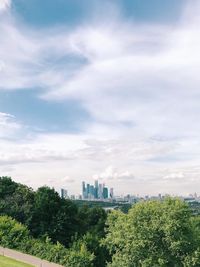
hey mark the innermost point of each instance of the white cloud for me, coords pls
(9, 126)
(174, 176)
(140, 83)
(67, 180)
(5, 5)
(112, 173)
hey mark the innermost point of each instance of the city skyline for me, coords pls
(105, 89)
(96, 191)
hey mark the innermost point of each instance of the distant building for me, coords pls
(87, 190)
(84, 191)
(64, 193)
(96, 188)
(111, 193)
(96, 191)
(100, 191)
(91, 192)
(105, 192)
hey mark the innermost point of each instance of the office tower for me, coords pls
(83, 189)
(111, 193)
(64, 193)
(84, 193)
(105, 192)
(96, 184)
(96, 189)
(100, 191)
(96, 193)
(87, 190)
(91, 192)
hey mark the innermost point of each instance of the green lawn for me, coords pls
(7, 262)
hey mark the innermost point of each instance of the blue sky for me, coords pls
(73, 12)
(100, 89)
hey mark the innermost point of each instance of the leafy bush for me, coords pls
(12, 233)
(16, 236)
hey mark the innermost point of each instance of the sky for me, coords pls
(101, 89)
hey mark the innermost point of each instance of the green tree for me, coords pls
(7, 186)
(159, 234)
(92, 229)
(78, 256)
(12, 233)
(45, 208)
(53, 217)
(92, 220)
(16, 200)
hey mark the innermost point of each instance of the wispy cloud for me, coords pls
(112, 173)
(139, 82)
(5, 5)
(9, 126)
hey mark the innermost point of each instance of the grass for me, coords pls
(7, 262)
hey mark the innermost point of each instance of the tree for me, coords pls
(45, 208)
(7, 186)
(78, 256)
(12, 233)
(53, 217)
(154, 233)
(16, 200)
(92, 220)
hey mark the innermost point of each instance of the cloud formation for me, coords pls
(5, 5)
(139, 82)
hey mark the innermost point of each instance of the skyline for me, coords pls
(102, 89)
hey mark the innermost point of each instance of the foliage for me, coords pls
(53, 216)
(153, 233)
(123, 206)
(16, 200)
(93, 230)
(16, 236)
(12, 233)
(78, 256)
(159, 234)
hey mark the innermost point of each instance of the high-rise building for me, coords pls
(84, 191)
(96, 191)
(64, 193)
(105, 192)
(96, 184)
(91, 192)
(100, 191)
(88, 190)
(111, 193)
(96, 187)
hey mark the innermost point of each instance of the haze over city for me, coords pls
(102, 89)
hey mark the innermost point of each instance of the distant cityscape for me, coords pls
(96, 191)
(99, 192)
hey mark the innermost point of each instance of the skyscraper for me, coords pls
(105, 192)
(96, 191)
(84, 195)
(64, 193)
(96, 188)
(100, 191)
(88, 190)
(111, 193)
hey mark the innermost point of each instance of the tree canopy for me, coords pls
(154, 233)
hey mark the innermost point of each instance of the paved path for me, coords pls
(13, 254)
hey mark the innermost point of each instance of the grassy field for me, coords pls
(7, 262)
